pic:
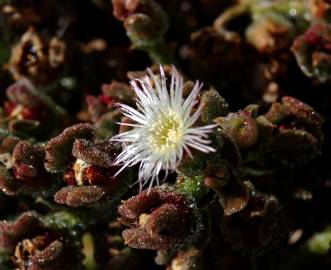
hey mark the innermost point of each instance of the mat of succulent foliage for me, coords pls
(154, 134)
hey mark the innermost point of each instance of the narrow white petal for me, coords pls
(164, 129)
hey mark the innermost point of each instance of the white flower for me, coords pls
(163, 129)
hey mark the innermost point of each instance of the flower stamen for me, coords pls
(166, 133)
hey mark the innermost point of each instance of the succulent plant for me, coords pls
(176, 135)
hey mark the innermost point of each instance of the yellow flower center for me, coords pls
(166, 133)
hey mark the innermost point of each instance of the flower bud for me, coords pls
(241, 127)
(145, 21)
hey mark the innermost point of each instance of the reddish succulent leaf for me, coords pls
(58, 149)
